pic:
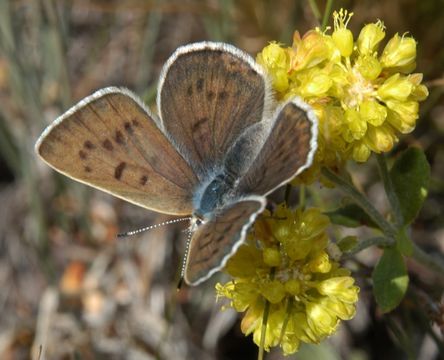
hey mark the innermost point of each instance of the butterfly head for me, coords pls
(196, 221)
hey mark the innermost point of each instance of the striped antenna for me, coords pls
(138, 231)
(184, 261)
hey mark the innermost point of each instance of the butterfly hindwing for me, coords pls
(215, 241)
(111, 141)
(287, 151)
(208, 94)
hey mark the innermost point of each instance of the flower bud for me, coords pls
(372, 112)
(273, 291)
(399, 52)
(403, 115)
(356, 124)
(361, 152)
(309, 51)
(368, 66)
(395, 87)
(316, 84)
(293, 286)
(320, 264)
(370, 37)
(271, 256)
(380, 139)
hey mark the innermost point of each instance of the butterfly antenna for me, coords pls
(138, 231)
(184, 261)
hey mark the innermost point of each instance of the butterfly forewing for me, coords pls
(288, 150)
(110, 141)
(215, 241)
(208, 94)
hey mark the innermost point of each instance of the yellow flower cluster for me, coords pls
(363, 98)
(284, 266)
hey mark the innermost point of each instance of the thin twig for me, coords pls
(360, 200)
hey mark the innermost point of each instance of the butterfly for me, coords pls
(216, 148)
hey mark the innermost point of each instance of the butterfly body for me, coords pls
(215, 150)
(215, 194)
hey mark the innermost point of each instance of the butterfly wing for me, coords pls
(215, 241)
(287, 151)
(110, 141)
(208, 94)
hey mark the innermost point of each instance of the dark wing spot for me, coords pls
(108, 145)
(87, 169)
(199, 84)
(223, 95)
(82, 154)
(286, 157)
(234, 74)
(135, 123)
(279, 153)
(205, 242)
(190, 90)
(119, 170)
(119, 137)
(210, 95)
(230, 226)
(200, 261)
(89, 145)
(199, 123)
(128, 127)
(143, 179)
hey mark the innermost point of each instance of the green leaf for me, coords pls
(410, 177)
(350, 215)
(390, 280)
(403, 243)
(347, 243)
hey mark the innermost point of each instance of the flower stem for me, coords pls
(327, 12)
(287, 196)
(287, 318)
(361, 201)
(315, 9)
(366, 243)
(260, 355)
(389, 190)
(302, 197)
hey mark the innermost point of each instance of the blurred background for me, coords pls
(68, 288)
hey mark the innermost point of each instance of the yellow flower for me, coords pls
(286, 265)
(380, 139)
(313, 83)
(320, 319)
(364, 99)
(399, 52)
(368, 66)
(309, 51)
(342, 37)
(276, 61)
(396, 87)
(370, 37)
